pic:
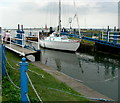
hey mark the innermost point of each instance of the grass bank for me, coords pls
(48, 87)
(91, 43)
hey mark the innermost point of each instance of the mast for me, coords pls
(59, 29)
(77, 19)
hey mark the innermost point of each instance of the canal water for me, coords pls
(98, 71)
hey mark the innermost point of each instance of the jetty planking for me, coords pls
(20, 50)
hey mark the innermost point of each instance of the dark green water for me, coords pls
(99, 71)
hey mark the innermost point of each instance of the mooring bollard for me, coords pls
(3, 60)
(24, 80)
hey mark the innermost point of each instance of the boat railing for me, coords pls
(35, 42)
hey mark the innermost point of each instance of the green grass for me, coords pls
(93, 32)
(0, 99)
(48, 87)
(73, 38)
(87, 42)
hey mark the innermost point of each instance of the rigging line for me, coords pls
(10, 78)
(47, 15)
(28, 97)
(36, 73)
(76, 15)
(34, 88)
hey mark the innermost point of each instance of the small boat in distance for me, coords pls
(59, 42)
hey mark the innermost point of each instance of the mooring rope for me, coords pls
(8, 62)
(100, 99)
(34, 88)
(28, 97)
(10, 78)
(36, 73)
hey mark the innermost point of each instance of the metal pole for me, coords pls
(76, 15)
(10, 40)
(22, 40)
(115, 38)
(24, 80)
(108, 38)
(2, 38)
(59, 16)
(38, 41)
(3, 60)
(102, 35)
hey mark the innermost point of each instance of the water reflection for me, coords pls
(99, 71)
(80, 65)
(110, 65)
(58, 64)
(79, 61)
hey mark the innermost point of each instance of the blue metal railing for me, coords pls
(24, 77)
(3, 60)
(102, 42)
(115, 36)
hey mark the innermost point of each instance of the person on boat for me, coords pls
(7, 37)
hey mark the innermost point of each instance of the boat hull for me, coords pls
(67, 46)
(32, 38)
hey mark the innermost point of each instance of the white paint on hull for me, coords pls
(70, 46)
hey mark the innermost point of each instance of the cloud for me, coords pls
(35, 12)
(107, 7)
(52, 7)
(28, 6)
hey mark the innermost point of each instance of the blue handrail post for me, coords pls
(108, 36)
(115, 38)
(24, 80)
(3, 61)
(20, 34)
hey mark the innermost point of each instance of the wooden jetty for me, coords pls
(20, 50)
(19, 45)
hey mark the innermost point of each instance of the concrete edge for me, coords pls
(77, 86)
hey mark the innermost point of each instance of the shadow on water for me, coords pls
(97, 70)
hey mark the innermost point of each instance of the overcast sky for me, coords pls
(37, 13)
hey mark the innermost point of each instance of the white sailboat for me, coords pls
(58, 41)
